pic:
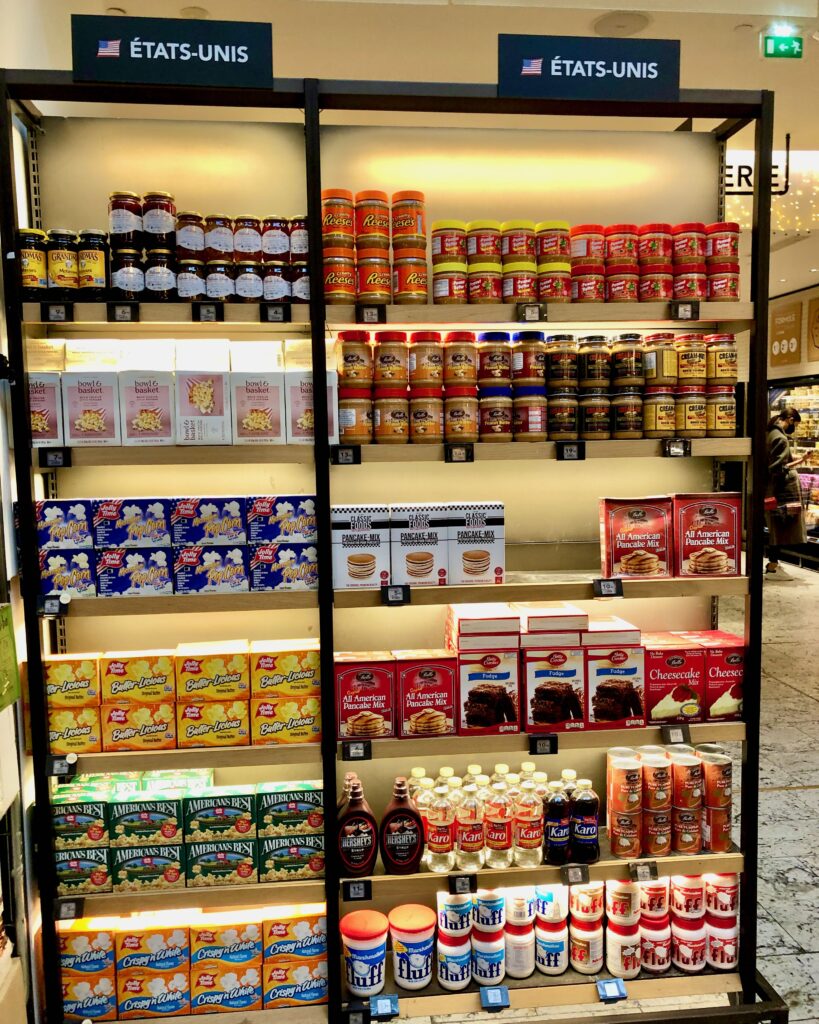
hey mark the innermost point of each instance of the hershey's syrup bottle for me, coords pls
(401, 836)
(357, 835)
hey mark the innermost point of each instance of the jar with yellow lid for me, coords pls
(391, 359)
(562, 406)
(519, 282)
(721, 364)
(552, 240)
(627, 414)
(483, 241)
(528, 358)
(659, 412)
(448, 241)
(529, 413)
(494, 359)
(426, 411)
(461, 413)
(660, 359)
(593, 361)
(391, 415)
(518, 241)
(426, 360)
(355, 416)
(594, 416)
(554, 282)
(495, 414)
(627, 361)
(561, 361)
(449, 283)
(721, 411)
(485, 282)
(460, 359)
(690, 419)
(356, 360)
(692, 360)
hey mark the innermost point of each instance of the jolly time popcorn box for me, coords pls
(285, 668)
(488, 692)
(86, 945)
(218, 986)
(74, 731)
(72, 680)
(217, 671)
(147, 407)
(286, 720)
(64, 524)
(708, 534)
(284, 517)
(554, 686)
(125, 572)
(143, 994)
(361, 546)
(68, 571)
(365, 691)
(152, 942)
(477, 543)
(425, 692)
(203, 410)
(138, 726)
(295, 982)
(142, 677)
(91, 416)
(675, 679)
(283, 566)
(131, 523)
(45, 402)
(615, 687)
(419, 544)
(208, 521)
(89, 996)
(210, 570)
(230, 938)
(213, 724)
(636, 537)
(295, 932)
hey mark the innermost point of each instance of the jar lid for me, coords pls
(563, 392)
(460, 336)
(594, 339)
(298, 218)
(494, 267)
(690, 389)
(524, 267)
(720, 389)
(32, 231)
(655, 339)
(167, 252)
(134, 252)
(660, 389)
(363, 924)
(210, 263)
(410, 254)
(412, 917)
(353, 335)
(595, 394)
(157, 195)
(629, 336)
(218, 216)
(494, 336)
(520, 929)
(445, 939)
(690, 339)
(558, 338)
(124, 195)
(462, 391)
(588, 268)
(339, 254)
(720, 339)
(337, 193)
(627, 392)
(272, 216)
(661, 922)
(552, 225)
(693, 225)
(587, 229)
(449, 268)
(518, 225)
(280, 265)
(354, 393)
(449, 225)
(530, 391)
(554, 268)
(84, 232)
(623, 268)
(721, 225)
(715, 921)
(656, 268)
(499, 391)
(529, 336)
(623, 929)
(417, 197)
(427, 392)
(373, 254)
(550, 926)
(483, 225)
(246, 216)
(243, 263)
(191, 263)
(688, 924)
(370, 194)
(723, 268)
(391, 393)
(382, 336)
(587, 926)
(654, 229)
(417, 336)
(65, 231)
(620, 229)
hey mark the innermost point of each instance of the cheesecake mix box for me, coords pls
(129, 572)
(553, 686)
(131, 522)
(210, 570)
(282, 517)
(286, 565)
(64, 524)
(91, 416)
(636, 537)
(419, 544)
(615, 687)
(724, 672)
(360, 545)
(477, 542)
(365, 694)
(147, 408)
(675, 679)
(707, 534)
(45, 402)
(488, 692)
(425, 692)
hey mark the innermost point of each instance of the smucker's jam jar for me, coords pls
(190, 236)
(92, 262)
(276, 284)
(190, 280)
(31, 248)
(125, 220)
(248, 281)
(247, 238)
(372, 221)
(483, 241)
(160, 276)
(127, 275)
(159, 220)
(61, 261)
(218, 237)
(275, 239)
(219, 284)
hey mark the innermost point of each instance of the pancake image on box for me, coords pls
(420, 564)
(366, 723)
(361, 567)
(477, 544)
(429, 722)
(475, 563)
(640, 563)
(709, 562)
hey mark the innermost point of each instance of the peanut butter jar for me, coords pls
(660, 359)
(562, 408)
(529, 413)
(561, 361)
(594, 416)
(627, 362)
(391, 359)
(355, 416)
(460, 359)
(721, 364)
(356, 360)
(691, 419)
(627, 414)
(426, 360)
(659, 412)
(721, 412)
(461, 413)
(494, 359)
(426, 412)
(593, 361)
(495, 414)
(692, 360)
(528, 358)
(391, 415)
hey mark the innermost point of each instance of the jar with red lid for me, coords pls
(337, 219)
(391, 359)
(448, 242)
(299, 274)
(218, 237)
(461, 413)
(276, 283)
(275, 239)
(494, 359)
(374, 277)
(426, 360)
(721, 359)
(689, 242)
(517, 241)
(409, 225)
(621, 243)
(372, 220)
(391, 415)
(299, 239)
(529, 415)
(721, 411)
(659, 412)
(409, 277)
(159, 220)
(552, 241)
(483, 241)
(449, 283)
(495, 414)
(355, 416)
(125, 220)
(623, 282)
(722, 242)
(588, 282)
(654, 244)
(691, 418)
(219, 282)
(190, 236)
(690, 281)
(339, 276)
(248, 281)
(519, 282)
(660, 359)
(723, 282)
(460, 359)
(426, 412)
(190, 280)
(485, 282)
(529, 358)
(356, 363)
(247, 238)
(554, 282)
(656, 282)
(588, 243)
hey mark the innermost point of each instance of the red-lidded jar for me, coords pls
(299, 239)
(355, 416)
(689, 242)
(554, 282)
(654, 244)
(552, 241)
(448, 242)
(373, 276)
(391, 415)
(461, 413)
(337, 219)
(495, 414)
(299, 274)
(723, 282)
(247, 238)
(623, 283)
(621, 243)
(460, 359)
(339, 276)
(519, 282)
(275, 239)
(125, 220)
(409, 225)
(190, 236)
(588, 282)
(391, 359)
(426, 411)
(159, 220)
(218, 237)
(690, 281)
(426, 360)
(372, 220)
(276, 283)
(356, 366)
(409, 277)
(485, 282)
(588, 243)
(517, 241)
(656, 282)
(722, 242)
(483, 241)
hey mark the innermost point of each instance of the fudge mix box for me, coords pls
(425, 692)
(488, 694)
(615, 687)
(708, 534)
(361, 546)
(636, 537)
(675, 679)
(365, 693)
(477, 542)
(553, 687)
(419, 539)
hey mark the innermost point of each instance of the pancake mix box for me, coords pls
(138, 726)
(361, 546)
(208, 521)
(147, 407)
(210, 570)
(477, 543)
(286, 565)
(554, 687)
(285, 668)
(615, 687)
(142, 677)
(91, 409)
(365, 693)
(131, 523)
(71, 680)
(425, 692)
(636, 537)
(488, 692)
(45, 404)
(284, 517)
(125, 572)
(419, 544)
(64, 524)
(68, 571)
(675, 679)
(708, 534)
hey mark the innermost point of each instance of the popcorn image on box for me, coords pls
(554, 688)
(233, 938)
(221, 812)
(208, 521)
(78, 821)
(257, 401)
(67, 571)
(286, 517)
(477, 543)
(147, 407)
(137, 868)
(230, 862)
(419, 544)
(425, 691)
(285, 720)
(74, 731)
(615, 682)
(124, 572)
(675, 679)
(64, 524)
(361, 546)
(45, 402)
(300, 405)
(90, 408)
(144, 677)
(71, 680)
(224, 986)
(216, 671)
(488, 692)
(707, 534)
(143, 993)
(286, 858)
(636, 537)
(86, 945)
(203, 412)
(283, 566)
(295, 932)
(138, 726)
(284, 668)
(82, 872)
(89, 997)
(365, 693)
(295, 983)
(289, 808)
(213, 724)
(131, 523)
(152, 942)
(202, 570)
(141, 820)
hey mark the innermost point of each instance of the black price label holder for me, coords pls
(574, 874)
(275, 313)
(570, 451)
(122, 312)
(357, 890)
(544, 744)
(207, 312)
(54, 458)
(57, 312)
(608, 587)
(61, 767)
(684, 310)
(70, 909)
(356, 1013)
(369, 314)
(395, 594)
(356, 750)
(384, 1006)
(494, 998)
(53, 606)
(611, 990)
(463, 453)
(643, 870)
(676, 447)
(460, 885)
(676, 733)
(532, 313)
(345, 455)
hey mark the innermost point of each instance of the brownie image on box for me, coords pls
(489, 704)
(556, 702)
(616, 699)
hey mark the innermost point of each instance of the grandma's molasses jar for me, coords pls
(92, 261)
(160, 276)
(31, 249)
(190, 280)
(125, 220)
(127, 275)
(63, 273)
(159, 220)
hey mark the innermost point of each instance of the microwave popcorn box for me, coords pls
(131, 522)
(142, 677)
(87, 945)
(285, 720)
(205, 522)
(152, 942)
(550, 617)
(138, 726)
(72, 680)
(295, 982)
(284, 566)
(360, 546)
(141, 820)
(296, 932)
(45, 402)
(190, 779)
(78, 821)
(91, 414)
(488, 692)
(365, 694)
(221, 812)
(210, 570)
(289, 808)
(554, 686)
(419, 544)
(477, 543)
(64, 524)
(615, 687)
(258, 409)
(216, 671)
(125, 572)
(285, 668)
(141, 868)
(300, 406)
(203, 411)
(232, 938)
(286, 858)
(74, 731)
(285, 517)
(68, 571)
(89, 996)
(708, 534)
(425, 692)
(675, 679)
(482, 627)
(213, 724)
(636, 537)
(147, 407)
(154, 994)
(221, 987)
(230, 862)
(83, 872)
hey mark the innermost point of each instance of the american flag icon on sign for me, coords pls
(108, 47)
(532, 66)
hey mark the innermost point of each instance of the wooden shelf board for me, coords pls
(201, 757)
(196, 603)
(220, 897)
(88, 316)
(293, 1014)
(184, 455)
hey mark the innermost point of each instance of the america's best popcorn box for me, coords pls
(152, 942)
(287, 858)
(74, 730)
(82, 872)
(279, 518)
(233, 937)
(214, 570)
(142, 819)
(89, 997)
(72, 680)
(144, 677)
(157, 994)
(217, 671)
(131, 523)
(295, 932)
(208, 521)
(286, 720)
(191, 780)
(63, 524)
(286, 565)
(68, 571)
(221, 986)
(146, 868)
(124, 572)
(213, 724)
(233, 862)
(289, 808)
(87, 945)
(284, 668)
(221, 812)
(78, 819)
(138, 726)
(295, 982)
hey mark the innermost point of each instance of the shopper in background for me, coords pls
(786, 526)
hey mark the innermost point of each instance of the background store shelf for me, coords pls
(156, 314)
(216, 897)
(184, 455)
(294, 1015)
(196, 603)
(201, 757)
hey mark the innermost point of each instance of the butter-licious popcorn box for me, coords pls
(146, 572)
(285, 720)
(72, 680)
(74, 731)
(152, 942)
(232, 862)
(138, 726)
(86, 944)
(284, 668)
(82, 872)
(233, 937)
(295, 932)
(213, 724)
(64, 524)
(141, 820)
(146, 868)
(157, 994)
(295, 982)
(143, 677)
(221, 812)
(217, 671)
(67, 571)
(78, 819)
(89, 997)
(217, 986)
(131, 522)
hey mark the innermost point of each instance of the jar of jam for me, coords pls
(159, 221)
(276, 283)
(409, 227)
(721, 242)
(127, 275)
(372, 221)
(373, 277)
(391, 415)
(299, 239)
(218, 237)
(339, 276)
(483, 242)
(593, 361)
(561, 361)
(449, 284)
(594, 416)
(622, 282)
(518, 241)
(654, 244)
(426, 411)
(426, 360)
(61, 262)
(461, 413)
(621, 243)
(720, 412)
(337, 219)
(519, 282)
(485, 282)
(660, 359)
(552, 241)
(160, 276)
(355, 416)
(356, 366)
(409, 276)
(248, 281)
(562, 407)
(692, 359)
(626, 414)
(588, 282)
(691, 418)
(190, 236)
(190, 280)
(460, 359)
(31, 249)
(690, 281)
(529, 358)
(529, 414)
(494, 359)
(448, 242)
(688, 242)
(627, 362)
(299, 274)
(391, 359)
(720, 360)
(125, 220)
(247, 238)
(219, 283)
(92, 262)
(588, 243)
(275, 239)
(495, 414)
(722, 284)
(656, 282)
(554, 282)
(659, 412)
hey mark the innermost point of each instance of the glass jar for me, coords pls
(722, 283)
(31, 249)
(721, 365)
(355, 416)
(660, 359)
(594, 416)
(720, 412)
(561, 361)
(391, 415)
(460, 359)
(337, 219)
(554, 282)
(692, 359)
(391, 359)
(593, 361)
(626, 414)
(448, 242)
(127, 275)
(562, 407)
(409, 228)
(160, 276)
(409, 277)
(627, 361)
(588, 282)
(299, 274)
(190, 236)
(159, 221)
(92, 263)
(518, 241)
(656, 282)
(190, 280)
(721, 242)
(373, 277)
(61, 262)
(485, 282)
(426, 360)
(275, 239)
(552, 241)
(623, 282)
(483, 242)
(247, 238)
(461, 413)
(276, 283)
(654, 244)
(690, 281)
(621, 243)
(426, 411)
(218, 237)
(299, 239)
(125, 220)
(688, 242)
(588, 243)
(356, 362)
(494, 359)
(339, 276)
(691, 419)
(659, 412)
(495, 414)
(372, 221)
(529, 358)
(449, 283)
(219, 283)
(248, 281)
(519, 282)
(529, 413)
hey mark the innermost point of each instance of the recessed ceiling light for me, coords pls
(744, 26)
(782, 280)
(115, 10)
(814, 270)
(621, 23)
(194, 12)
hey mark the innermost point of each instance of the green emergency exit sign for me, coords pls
(777, 46)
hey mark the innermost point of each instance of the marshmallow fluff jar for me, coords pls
(364, 944)
(412, 930)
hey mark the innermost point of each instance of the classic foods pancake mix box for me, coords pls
(365, 692)
(64, 524)
(284, 668)
(71, 680)
(208, 521)
(419, 544)
(477, 542)
(286, 565)
(223, 723)
(210, 570)
(708, 534)
(131, 523)
(675, 679)
(143, 677)
(216, 671)
(361, 546)
(425, 692)
(554, 687)
(68, 571)
(138, 726)
(284, 517)
(488, 692)
(636, 537)
(124, 572)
